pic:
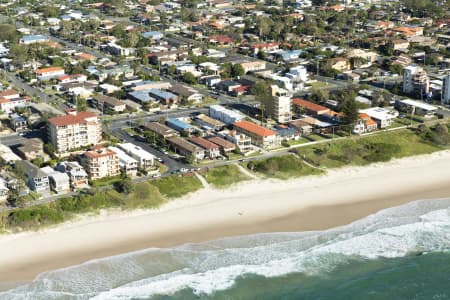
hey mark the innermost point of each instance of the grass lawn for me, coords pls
(105, 181)
(282, 167)
(368, 149)
(177, 186)
(222, 177)
(298, 142)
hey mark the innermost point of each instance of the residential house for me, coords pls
(211, 150)
(260, 136)
(37, 180)
(304, 128)
(59, 182)
(166, 98)
(265, 47)
(242, 141)
(31, 39)
(179, 125)
(252, 66)
(209, 123)
(148, 85)
(18, 123)
(384, 117)
(186, 93)
(49, 73)
(340, 64)
(161, 130)
(186, 148)
(31, 149)
(145, 159)
(224, 145)
(128, 165)
(364, 124)
(107, 103)
(78, 178)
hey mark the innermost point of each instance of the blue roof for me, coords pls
(150, 34)
(142, 96)
(34, 37)
(179, 124)
(162, 94)
(288, 131)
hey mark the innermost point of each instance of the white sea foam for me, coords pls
(422, 226)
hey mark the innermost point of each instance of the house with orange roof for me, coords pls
(364, 124)
(72, 78)
(311, 108)
(49, 73)
(260, 136)
(408, 31)
(265, 47)
(84, 57)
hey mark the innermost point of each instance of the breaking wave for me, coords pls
(205, 268)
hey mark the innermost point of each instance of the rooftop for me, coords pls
(254, 128)
(71, 119)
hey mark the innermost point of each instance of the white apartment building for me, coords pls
(225, 115)
(74, 130)
(127, 164)
(278, 107)
(100, 162)
(145, 159)
(415, 80)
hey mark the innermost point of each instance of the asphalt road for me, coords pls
(12, 140)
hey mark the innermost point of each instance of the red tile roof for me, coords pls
(254, 128)
(205, 144)
(309, 105)
(222, 143)
(70, 119)
(8, 92)
(47, 70)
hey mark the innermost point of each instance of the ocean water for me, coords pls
(398, 253)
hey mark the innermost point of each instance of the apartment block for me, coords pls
(74, 130)
(100, 162)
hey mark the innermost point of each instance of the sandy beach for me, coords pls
(311, 203)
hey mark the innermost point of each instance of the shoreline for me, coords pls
(258, 206)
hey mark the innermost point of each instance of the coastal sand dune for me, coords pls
(310, 203)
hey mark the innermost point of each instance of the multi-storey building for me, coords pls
(260, 136)
(278, 107)
(74, 130)
(415, 80)
(100, 162)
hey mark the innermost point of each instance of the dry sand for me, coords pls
(311, 203)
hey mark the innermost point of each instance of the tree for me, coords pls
(237, 70)
(125, 185)
(188, 77)
(350, 111)
(263, 94)
(396, 69)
